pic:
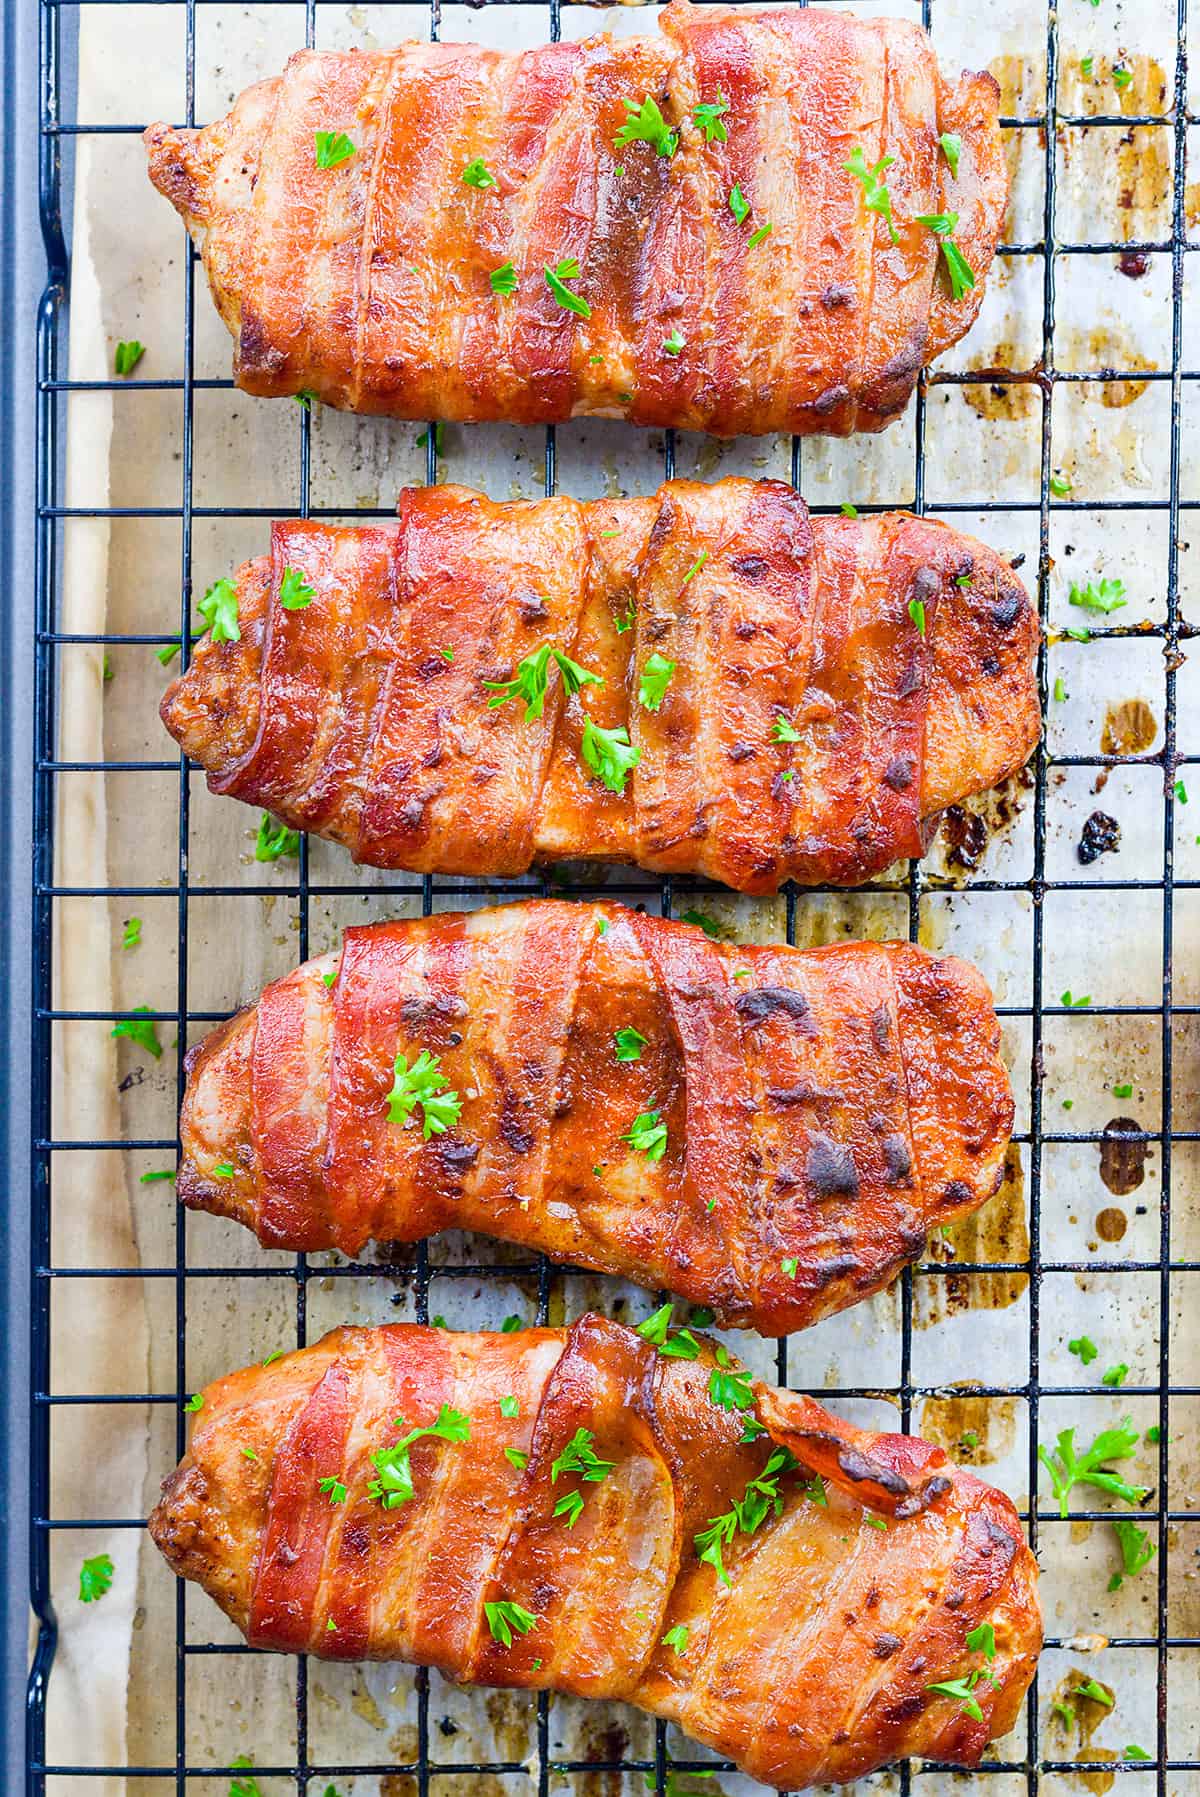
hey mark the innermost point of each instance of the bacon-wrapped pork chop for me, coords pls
(746, 222)
(570, 1510)
(705, 682)
(768, 1131)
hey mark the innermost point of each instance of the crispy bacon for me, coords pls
(369, 283)
(811, 1660)
(898, 652)
(824, 1108)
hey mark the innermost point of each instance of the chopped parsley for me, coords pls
(1122, 78)
(195, 1403)
(702, 921)
(1060, 690)
(647, 125)
(275, 840)
(1084, 1347)
(556, 279)
(729, 1385)
(503, 280)
(609, 754)
(516, 1458)
(570, 1505)
(848, 510)
(983, 1640)
(223, 1170)
(648, 1135)
(709, 116)
(1180, 791)
(250, 1454)
(295, 594)
(530, 681)
(394, 1485)
(874, 1522)
(738, 205)
(160, 1173)
(95, 1578)
(876, 197)
(674, 343)
(1109, 596)
(511, 1325)
(1095, 1690)
(127, 357)
(423, 1084)
(304, 399)
(951, 147)
(1137, 1550)
(133, 933)
(916, 611)
(1135, 1753)
(677, 1638)
(760, 1500)
(1087, 63)
(1075, 1004)
(1060, 486)
(1068, 1469)
(219, 609)
(1115, 1375)
(244, 1787)
(696, 566)
(962, 275)
(333, 147)
(628, 1044)
(141, 1030)
(789, 1265)
(656, 677)
(334, 1490)
(656, 1329)
(505, 1617)
(962, 1689)
(273, 1356)
(756, 237)
(579, 1456)
(476, 174)
(784, 731)
(510, 1405)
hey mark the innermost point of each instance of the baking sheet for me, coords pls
(112, 1699)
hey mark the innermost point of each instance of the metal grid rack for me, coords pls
(57, 133)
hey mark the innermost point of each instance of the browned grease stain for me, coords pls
(1122, 1161)
(1191, 203)
(364, 1705)
(403, 1784)
(404, 1742)
(1097, 94)
(999, 1231)
(1089, 1713)
(1129, 728)
(975, 1430)
(606, 1741)
(968, 828)
(1102, 349)
(1127, 177)
(1002, 401)
(510, 1714)
(1111, 1223)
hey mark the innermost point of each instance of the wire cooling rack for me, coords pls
(1168, 1644)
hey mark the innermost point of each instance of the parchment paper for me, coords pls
(113, 1690)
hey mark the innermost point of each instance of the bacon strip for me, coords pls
(811, 1661)
(369, 283)
(896, 652)
(823, 1108)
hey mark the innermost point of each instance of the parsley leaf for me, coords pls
(983, 1640)
(511, 1325)
(556, 279)
(504, 1617)
(738, 205)
(677, 1638)
(1084, 1347)
(962, 1689)
(1060, 690)
(1115, 1375)
(295, 594)
(503, 279)
(195, 1403)
(1180, 791)
(530, 681)
(579, 1456)
(476, 174)
(275, 840)
(656, 1329)
(422, 1084)
(674, 343)
(789, 1265)
(127, 357)
(876, 197)
(1075, 1004)
(709, 116)
(510, 1405)
(1137, 1550)
(140, 1030)
(516, 1458)
(656, 677)
(334, 1490)
(1109, 596)
(219, 609)
(646, 124)
(1060, 486)
(150, 1179)
(1095, 1690)
(1068, 1469)
(760, 1500)
(570, 1505)
(1135, 1753)
(1122, 78)
(951, 147)
(332, 148)
(244, 1787)
(133, 933)
(648, 1135)
(394, 1485)
(609, 754)
(629, 1044)
(95, 1578)
(756, 237)
(223, 1170)
(784, 731)
(848, 510)
(916, 611)
(729, 1388)
(702, 921)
